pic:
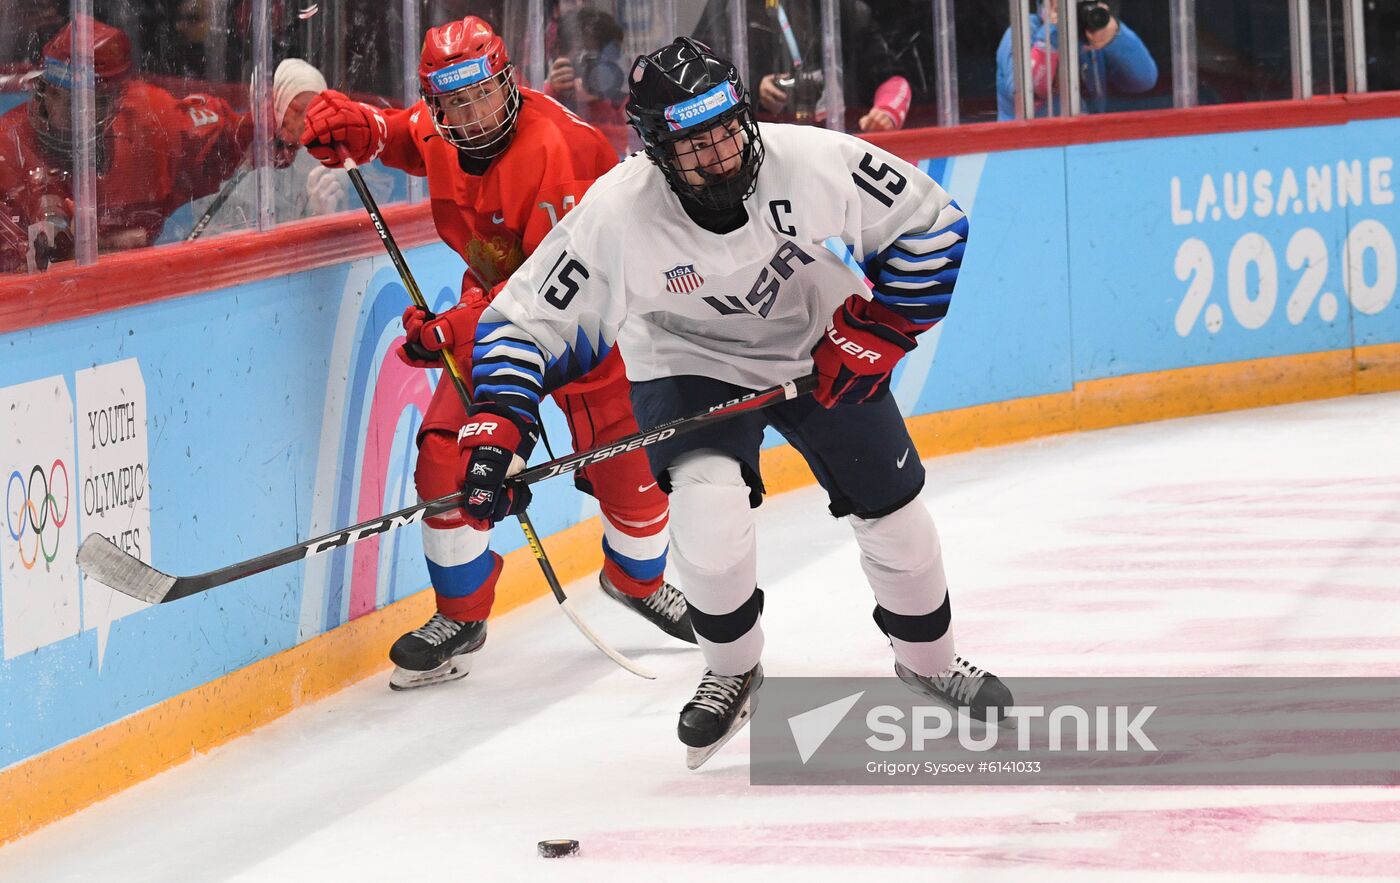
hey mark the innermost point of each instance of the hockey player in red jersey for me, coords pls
(154, 153)
(504, 163)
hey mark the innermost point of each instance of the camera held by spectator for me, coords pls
(785, 39)
(1093, 17)
(599, 73)
(590, 65)
(588, 76)
(803, 89)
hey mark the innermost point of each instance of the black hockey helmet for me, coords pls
(692, 112)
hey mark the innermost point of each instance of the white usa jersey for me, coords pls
(629, 268)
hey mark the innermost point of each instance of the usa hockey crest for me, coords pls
(683, 278)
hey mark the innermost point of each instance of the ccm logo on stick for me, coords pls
(481, 427)
(368, 530)
(852, 347)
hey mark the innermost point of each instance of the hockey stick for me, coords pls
(224, 193)
(455, 372)
(101, 560)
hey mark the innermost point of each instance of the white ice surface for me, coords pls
(1264, 542)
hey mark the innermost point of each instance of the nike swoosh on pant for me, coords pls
(902, 457)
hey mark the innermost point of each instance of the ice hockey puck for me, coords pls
(558, 848)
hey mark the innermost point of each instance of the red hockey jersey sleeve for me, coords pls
(212, 139)
(401, 149)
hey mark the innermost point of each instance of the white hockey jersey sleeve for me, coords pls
(555, 319)
(910, 235)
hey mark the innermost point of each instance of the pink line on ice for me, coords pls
(1213, 840)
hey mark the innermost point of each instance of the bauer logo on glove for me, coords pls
(850, 346)
(855, 358)
(477, 427)
(493, 445)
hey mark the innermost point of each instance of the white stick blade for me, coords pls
(612, 654)
(104, 562)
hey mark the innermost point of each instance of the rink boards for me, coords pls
(1103, 284)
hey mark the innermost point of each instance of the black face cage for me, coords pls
(59, 143)
(717, 193)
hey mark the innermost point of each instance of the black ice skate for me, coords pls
(721, 707)
(664, 608)
(439, 651)
(962, 685)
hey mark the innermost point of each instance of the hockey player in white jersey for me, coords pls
(711, 260)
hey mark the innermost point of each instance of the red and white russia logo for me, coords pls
(683, 278)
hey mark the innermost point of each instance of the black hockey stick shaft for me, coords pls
(453, 370)
(532, 537)
(400, 264)
(185, 586)
(224, 193)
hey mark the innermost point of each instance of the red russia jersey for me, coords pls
(161, 152)
(496, 219)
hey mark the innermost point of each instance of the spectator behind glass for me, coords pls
(1112, 60)
(203, 44)
(587, 76)
(153, 154)
(557, 10)
(785, 59)
(301, 187)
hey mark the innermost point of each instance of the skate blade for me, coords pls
(694, 757)
(451, 670)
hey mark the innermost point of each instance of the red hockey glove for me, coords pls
(855, 358)
(456, 327)
(426, 334)
(412, 352)
(493, 445)
(335, 122)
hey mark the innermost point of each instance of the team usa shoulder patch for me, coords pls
(682, 278)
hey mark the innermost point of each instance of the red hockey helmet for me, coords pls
(468, 83)
(50, 113)
(111, 56)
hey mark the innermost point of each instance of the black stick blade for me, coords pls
(104, 562)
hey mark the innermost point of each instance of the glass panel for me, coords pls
(1124, 57)
(1137, 73)
(784, 61)
(355, 47)
(37, 122)
(908, 32)
(981, 30)
(172, 117)
(1242, 51)
(1328, 39)
(588, 48)
(1382, 20)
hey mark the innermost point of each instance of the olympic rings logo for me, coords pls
(32, 513)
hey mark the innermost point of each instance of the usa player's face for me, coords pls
(717, 152)
(477, 109)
